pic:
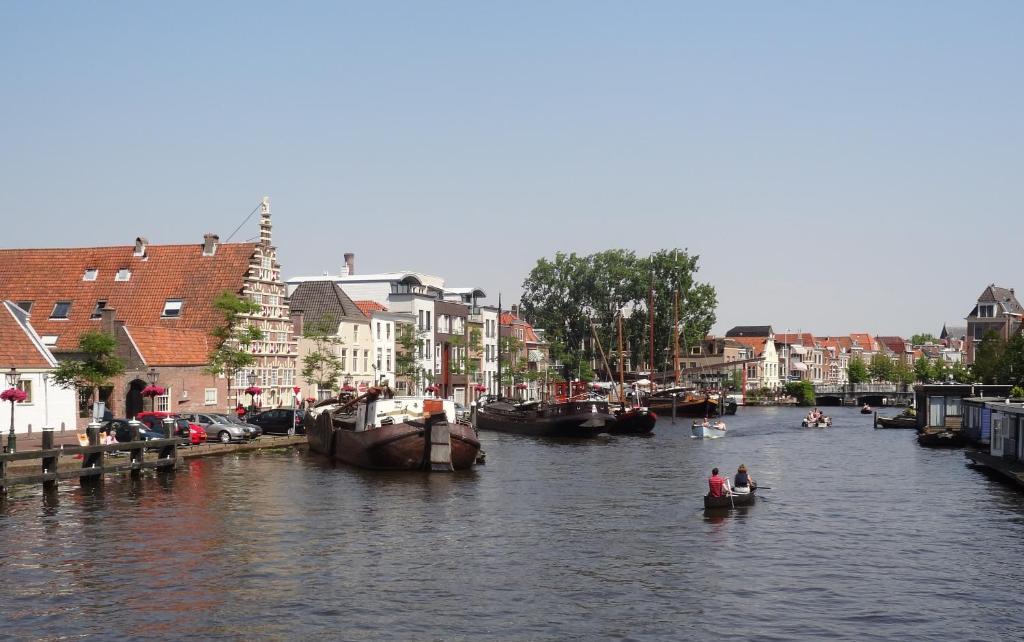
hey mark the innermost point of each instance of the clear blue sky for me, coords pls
(837, 167)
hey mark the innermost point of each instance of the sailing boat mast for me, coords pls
(675, 335)
(650, 315)
(622, 372)
(499, 347)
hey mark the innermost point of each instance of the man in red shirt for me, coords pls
(716, 484)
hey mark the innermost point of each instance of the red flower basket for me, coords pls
(153, 391)
(521, 386)
(14, 395)
(310, 399)
(348, 388)
(296, 389)
(254, 390)
(480, 387)
(431, 388)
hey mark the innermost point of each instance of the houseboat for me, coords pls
(941, 407)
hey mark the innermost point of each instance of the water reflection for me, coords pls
(581, 539)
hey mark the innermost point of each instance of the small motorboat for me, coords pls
(732, 500)
(941, 439)
(824, 422)
(707, 430)
(866, 410)
(901, 421)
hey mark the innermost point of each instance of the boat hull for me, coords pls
(896, 422)
(700, 431)
(690, 407)
(816, 424)
(635, 421)
(727, 501)
(401, 446)
(575, 419)
(941, 439)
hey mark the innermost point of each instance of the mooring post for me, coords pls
(92, 460)
(49, 463)
(135, 454)
(170, 452)
(674, 400)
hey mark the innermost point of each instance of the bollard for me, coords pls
(49, 463)
(92, 460)
(170, 452)
(135, 454)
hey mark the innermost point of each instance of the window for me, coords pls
(388, 363)
(986, 311)
(24, 305)
(172, 308)
(210, 398)
(378, 331)
(387, 330)
(344, 358)
(420, 326)
(123, 274)
(695, 350)
(49, 340)
(380, 358)
(25, 385)
(355, 333)
(61, 310)
(163, 402)
(428, 319)
(90, 274)
(427, 353)
(97, 312)
(366, 360)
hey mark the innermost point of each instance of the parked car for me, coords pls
(280, 421)
(185, 429)
(218, 428)
(122, 431)
(235, 419)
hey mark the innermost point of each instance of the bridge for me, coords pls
(874, 394)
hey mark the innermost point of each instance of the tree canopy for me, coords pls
(923, 338)
(96, 369)
(232, 351)
(857, 370)
(563, 295)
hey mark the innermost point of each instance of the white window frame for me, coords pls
(123, 275)
(67, 312)
(91, 274)
(210, 397)
(169, 305)
(162, 403)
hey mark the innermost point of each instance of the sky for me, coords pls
(837, 167)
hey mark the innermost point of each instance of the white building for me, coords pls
(22, 349)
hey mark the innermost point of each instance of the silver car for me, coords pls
(218, 428)
(233, 419)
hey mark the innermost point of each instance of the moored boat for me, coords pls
(687, 404)
(824, 422)
(633, 421)
(901, 421)
(941, 439)
(545, 419)
(404, 433)
(708, 430)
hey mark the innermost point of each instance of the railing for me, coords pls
(93, 455)
(861, 388)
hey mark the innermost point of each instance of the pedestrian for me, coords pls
(240, 411)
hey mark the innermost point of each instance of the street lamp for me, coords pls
(153, 376)
(12, 382)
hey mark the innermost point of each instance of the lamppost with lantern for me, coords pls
(14, 395)
(252, 397)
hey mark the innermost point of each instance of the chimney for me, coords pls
(515, 310)
(350, 264)
(210, 242)
(298, 320)
(140, 246)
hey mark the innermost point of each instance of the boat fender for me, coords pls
(593, 408)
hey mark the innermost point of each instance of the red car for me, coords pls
(196, 435)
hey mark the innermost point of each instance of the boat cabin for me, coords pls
(382, 412)
(1007, 430)
(940, 406)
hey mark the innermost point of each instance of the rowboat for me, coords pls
(821, 423)
(941, 439)
(707, 430)
(633, 421)
(730, 501)
(896, 422)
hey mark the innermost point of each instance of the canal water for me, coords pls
(862, 535)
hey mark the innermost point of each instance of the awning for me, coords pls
(797, 349)
(798, 365)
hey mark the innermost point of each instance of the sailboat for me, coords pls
(568, 416)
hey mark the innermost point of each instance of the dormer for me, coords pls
(140, 247)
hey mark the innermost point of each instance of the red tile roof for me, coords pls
(47, 276)
(863, 341)
(529, 334)
(756, 343)
(18, 348)
(369, 307)
(171, 347)
(805, 339)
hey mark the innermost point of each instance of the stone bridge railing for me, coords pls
(862, 389)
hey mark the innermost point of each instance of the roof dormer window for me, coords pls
(61, 309)
(172, 308)
(49, 340)
(97, 312)
(90, 274)
(124, 274)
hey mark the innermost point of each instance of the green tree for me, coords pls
(407, 346)
(322, 365)
(98, 367)
(922, 339)
(857, 370)
(563, 295)
(903, 373)
(988, 358)
(1011, 362)
(802, 391)
(512, 367)
(923, 369)
(939, 370)
(234, 337)
(961, 373)
(1017, 392)
(881, 367)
